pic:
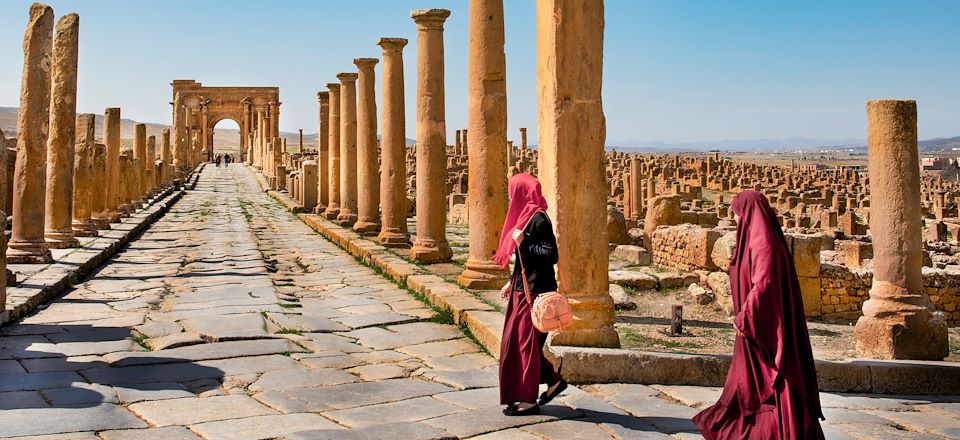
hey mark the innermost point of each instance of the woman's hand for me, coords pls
(517, 236)
(505, 291)
(736, 330)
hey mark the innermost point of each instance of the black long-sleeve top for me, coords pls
(539, 252)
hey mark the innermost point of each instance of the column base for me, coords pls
(431, 251)
(331, 212)
(84, 228)
(593, 320)
(115, 217)
(346, 218)
(61, 240)
(366, 227)
(28, 252)
(102, 223)
(394, 238)
(482, 275)
(320, 209)
(918, 334)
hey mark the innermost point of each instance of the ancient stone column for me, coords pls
(111, 138)
(27, 244)
(323, 153)
(60, 143)
(123, 192)
(368, 166)
(486, 155)
(572, 132)
(430, 245)
(83, 225)
(636, 194)
(523, 138)
(165, 155)
(133, 183)
(333, 147)
(140, 153)
(348, 149)
(98, 190)
(151, 169)
(898, 320)
(261, 140)
(393, 144)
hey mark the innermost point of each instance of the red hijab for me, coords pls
(526, 199)
(769, 312)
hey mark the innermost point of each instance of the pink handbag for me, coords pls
(550, 311)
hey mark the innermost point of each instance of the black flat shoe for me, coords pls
(516, 411)
(546, 398)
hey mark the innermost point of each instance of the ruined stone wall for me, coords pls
(843, 291)
(684, 247)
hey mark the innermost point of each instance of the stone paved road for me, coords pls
(230, 319)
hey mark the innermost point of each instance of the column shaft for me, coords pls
(111, 138)
(393, 169)
(348, 149)
(323, 152)
(333, 147)
(368, 170)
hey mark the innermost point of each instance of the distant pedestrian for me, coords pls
(226, 160)
(528, 234)
(771, 389)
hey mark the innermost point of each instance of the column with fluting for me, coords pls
(393, 169)
(430, 245)
(60, 143)
(572, 132)
(27, 244)
(898, 321)
(486, 154)
(368, 169)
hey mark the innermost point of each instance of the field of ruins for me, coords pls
(166, 280)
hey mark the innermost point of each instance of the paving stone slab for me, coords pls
(349, 395)
(22, 400)
(405, 431)
(491, 418)
(151, 391)
(80, 393)
(263, 427)
(165, 433)
(37, 381)
(410, 410)
(193, 410)
(209, 351)
(301, 377)
(452, 347)
(38, 421)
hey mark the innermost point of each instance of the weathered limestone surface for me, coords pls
(60, 144)
(430, 245)
(572, 132)
(348, 149)
(83, 225)
(487, 120)
(333, 206)
(368, 169)
(323, 152)
(27, 244)
(897, 321)
(393, 167)
(111, 138)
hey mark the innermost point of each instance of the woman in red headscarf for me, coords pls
(528, 233)
(771, 389)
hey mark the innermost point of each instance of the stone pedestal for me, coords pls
(572, 133)
(898, 321)
(60, 144)
(430, 245)
(323, 153)
(111, 138)
(333, 147)
(393, 167)
(27, 244)
(368, 166)
(83, 224)
(348, 149)
(486, 155)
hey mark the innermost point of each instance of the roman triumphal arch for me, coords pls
(197, 109)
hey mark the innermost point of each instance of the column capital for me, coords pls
(323, 96)
(347, 77)
(334, 87)
(430, 19)
(392, 44)
(365, 63)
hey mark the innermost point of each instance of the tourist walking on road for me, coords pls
(771, 389)
(528, 233)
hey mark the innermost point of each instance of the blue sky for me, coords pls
(674, 70)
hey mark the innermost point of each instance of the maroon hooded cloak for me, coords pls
(771, 389)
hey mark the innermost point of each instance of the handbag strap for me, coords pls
(523, 277)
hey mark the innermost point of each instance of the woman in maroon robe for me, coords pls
(771, 389)
(528, 233)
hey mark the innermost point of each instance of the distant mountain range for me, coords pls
(231, 138)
